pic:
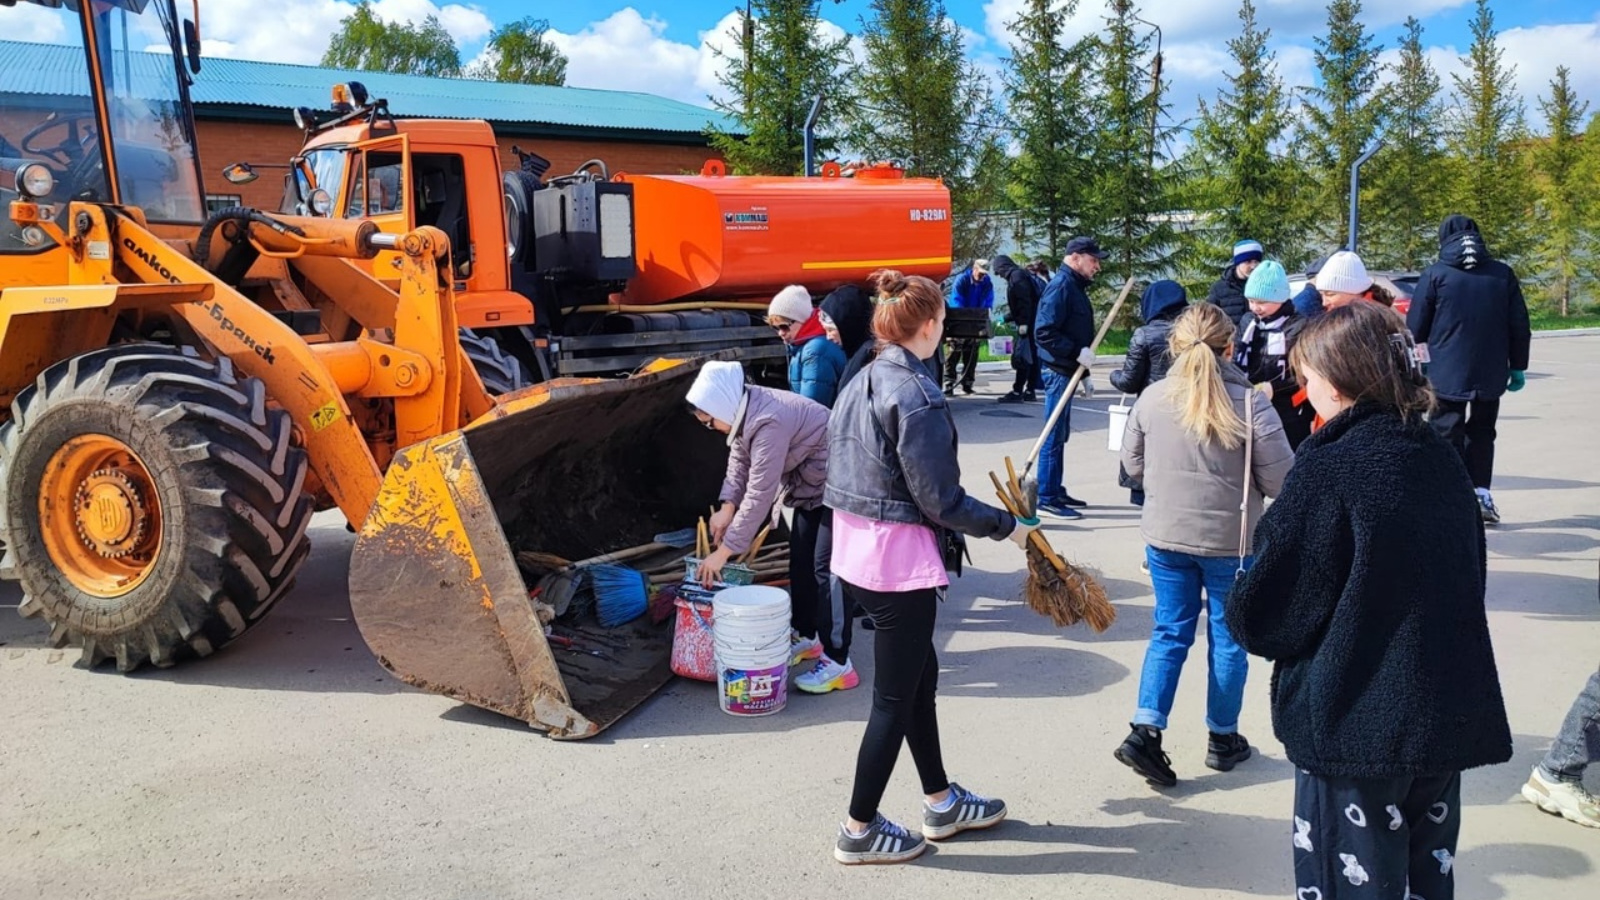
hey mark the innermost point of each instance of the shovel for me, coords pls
(1030, 483)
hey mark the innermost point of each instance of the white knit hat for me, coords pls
(792, 303)
(718, 389)
(1344, 272)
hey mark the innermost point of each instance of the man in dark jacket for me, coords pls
(1063, 330)
(1022, 304)
(1470, 313)
(1228, 292)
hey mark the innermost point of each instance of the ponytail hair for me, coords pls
(1199, 338)
(904, 303)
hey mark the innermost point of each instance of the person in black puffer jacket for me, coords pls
(1367, 593)
(1261, 348)
(1228, 292)
(1470, 312)
(1148, 357)
(1022, 304)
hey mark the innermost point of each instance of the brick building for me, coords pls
(244, 112)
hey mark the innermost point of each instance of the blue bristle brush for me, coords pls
(621, 594)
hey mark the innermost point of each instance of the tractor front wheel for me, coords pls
(153, 503)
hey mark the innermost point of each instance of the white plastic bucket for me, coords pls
(1117, 424)
(750, 627)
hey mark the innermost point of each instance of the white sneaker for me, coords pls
(1560, 798)
(802, 649)
(826, 676)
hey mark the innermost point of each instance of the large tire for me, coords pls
(191, 524)
(500, 372)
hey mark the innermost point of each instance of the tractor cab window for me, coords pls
(441, 192)
(48, 113)
(377, 186)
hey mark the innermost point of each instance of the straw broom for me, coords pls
(1055, 587)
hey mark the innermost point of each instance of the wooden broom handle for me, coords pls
(1034, 537)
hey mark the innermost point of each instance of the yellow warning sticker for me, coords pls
(324, 417)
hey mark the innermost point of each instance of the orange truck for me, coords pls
(596, 272)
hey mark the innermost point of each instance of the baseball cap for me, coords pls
(1085, 245)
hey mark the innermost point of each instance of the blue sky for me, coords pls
(668, 47)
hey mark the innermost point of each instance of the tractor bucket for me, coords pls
(570, 468)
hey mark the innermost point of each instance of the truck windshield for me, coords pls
(46, 73)
(324, 168)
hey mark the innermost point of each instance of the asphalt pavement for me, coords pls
(291, 765)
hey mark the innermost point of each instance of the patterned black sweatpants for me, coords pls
(1376, 839)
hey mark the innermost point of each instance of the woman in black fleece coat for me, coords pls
(1367, 593)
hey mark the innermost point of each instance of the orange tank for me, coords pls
(718, 237)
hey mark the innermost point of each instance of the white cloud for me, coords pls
(627, 52)
(298, 31)
(37, 25)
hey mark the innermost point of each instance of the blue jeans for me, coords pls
(1052, 490)
(1178, 579)
(1577, 745)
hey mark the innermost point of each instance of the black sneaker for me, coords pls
(1224, 751)
(1141, 752)
(949, 390)
(884, 842)
(1011, 397)
(1487, 509)
(966, 389)
(1030, 397)
(968, 812)
(1069, 500)
(1058, 511)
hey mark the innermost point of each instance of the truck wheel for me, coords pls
(500, 372)
(153, 503)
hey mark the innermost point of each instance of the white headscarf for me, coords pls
(718, 390)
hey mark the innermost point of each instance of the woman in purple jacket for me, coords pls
(778, 450)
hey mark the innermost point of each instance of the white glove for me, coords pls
(1086, 358)
(1022, 330)
(1019, 534)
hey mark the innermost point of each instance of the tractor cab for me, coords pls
(93, 108)
(360, 162)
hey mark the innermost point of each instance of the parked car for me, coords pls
(1401, 284)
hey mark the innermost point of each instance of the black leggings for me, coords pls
(817, 607)
(905, 679)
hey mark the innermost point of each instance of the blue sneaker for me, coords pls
(1058, 511)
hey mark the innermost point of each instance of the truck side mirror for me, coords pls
(191, 44)
(239, 173)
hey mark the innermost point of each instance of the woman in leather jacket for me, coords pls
(895, 487)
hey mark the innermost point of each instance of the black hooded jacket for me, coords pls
(1367, 593)
(1148, 358)
(1228, 293)
(851, 311)
(1022, 291)
(1469, 310)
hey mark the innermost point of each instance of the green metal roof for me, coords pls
(246, 89)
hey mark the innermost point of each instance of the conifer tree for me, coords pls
(1407, 175)
(916, 99)
(789, 63)
(1047, 102)
(1340, 117)
(1239, 185)
(1491, 180)
(1565, 194)
(1129, 197)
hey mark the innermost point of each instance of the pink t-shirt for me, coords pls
(886, 556)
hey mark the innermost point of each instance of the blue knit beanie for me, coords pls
(1246, 250)
(1269, 283)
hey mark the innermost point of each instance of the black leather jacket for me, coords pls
(892, 452)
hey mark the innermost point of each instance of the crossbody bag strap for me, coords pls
(1249, 459)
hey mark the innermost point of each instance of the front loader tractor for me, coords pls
(181, 389)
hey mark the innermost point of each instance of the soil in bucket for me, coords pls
(750, 627)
